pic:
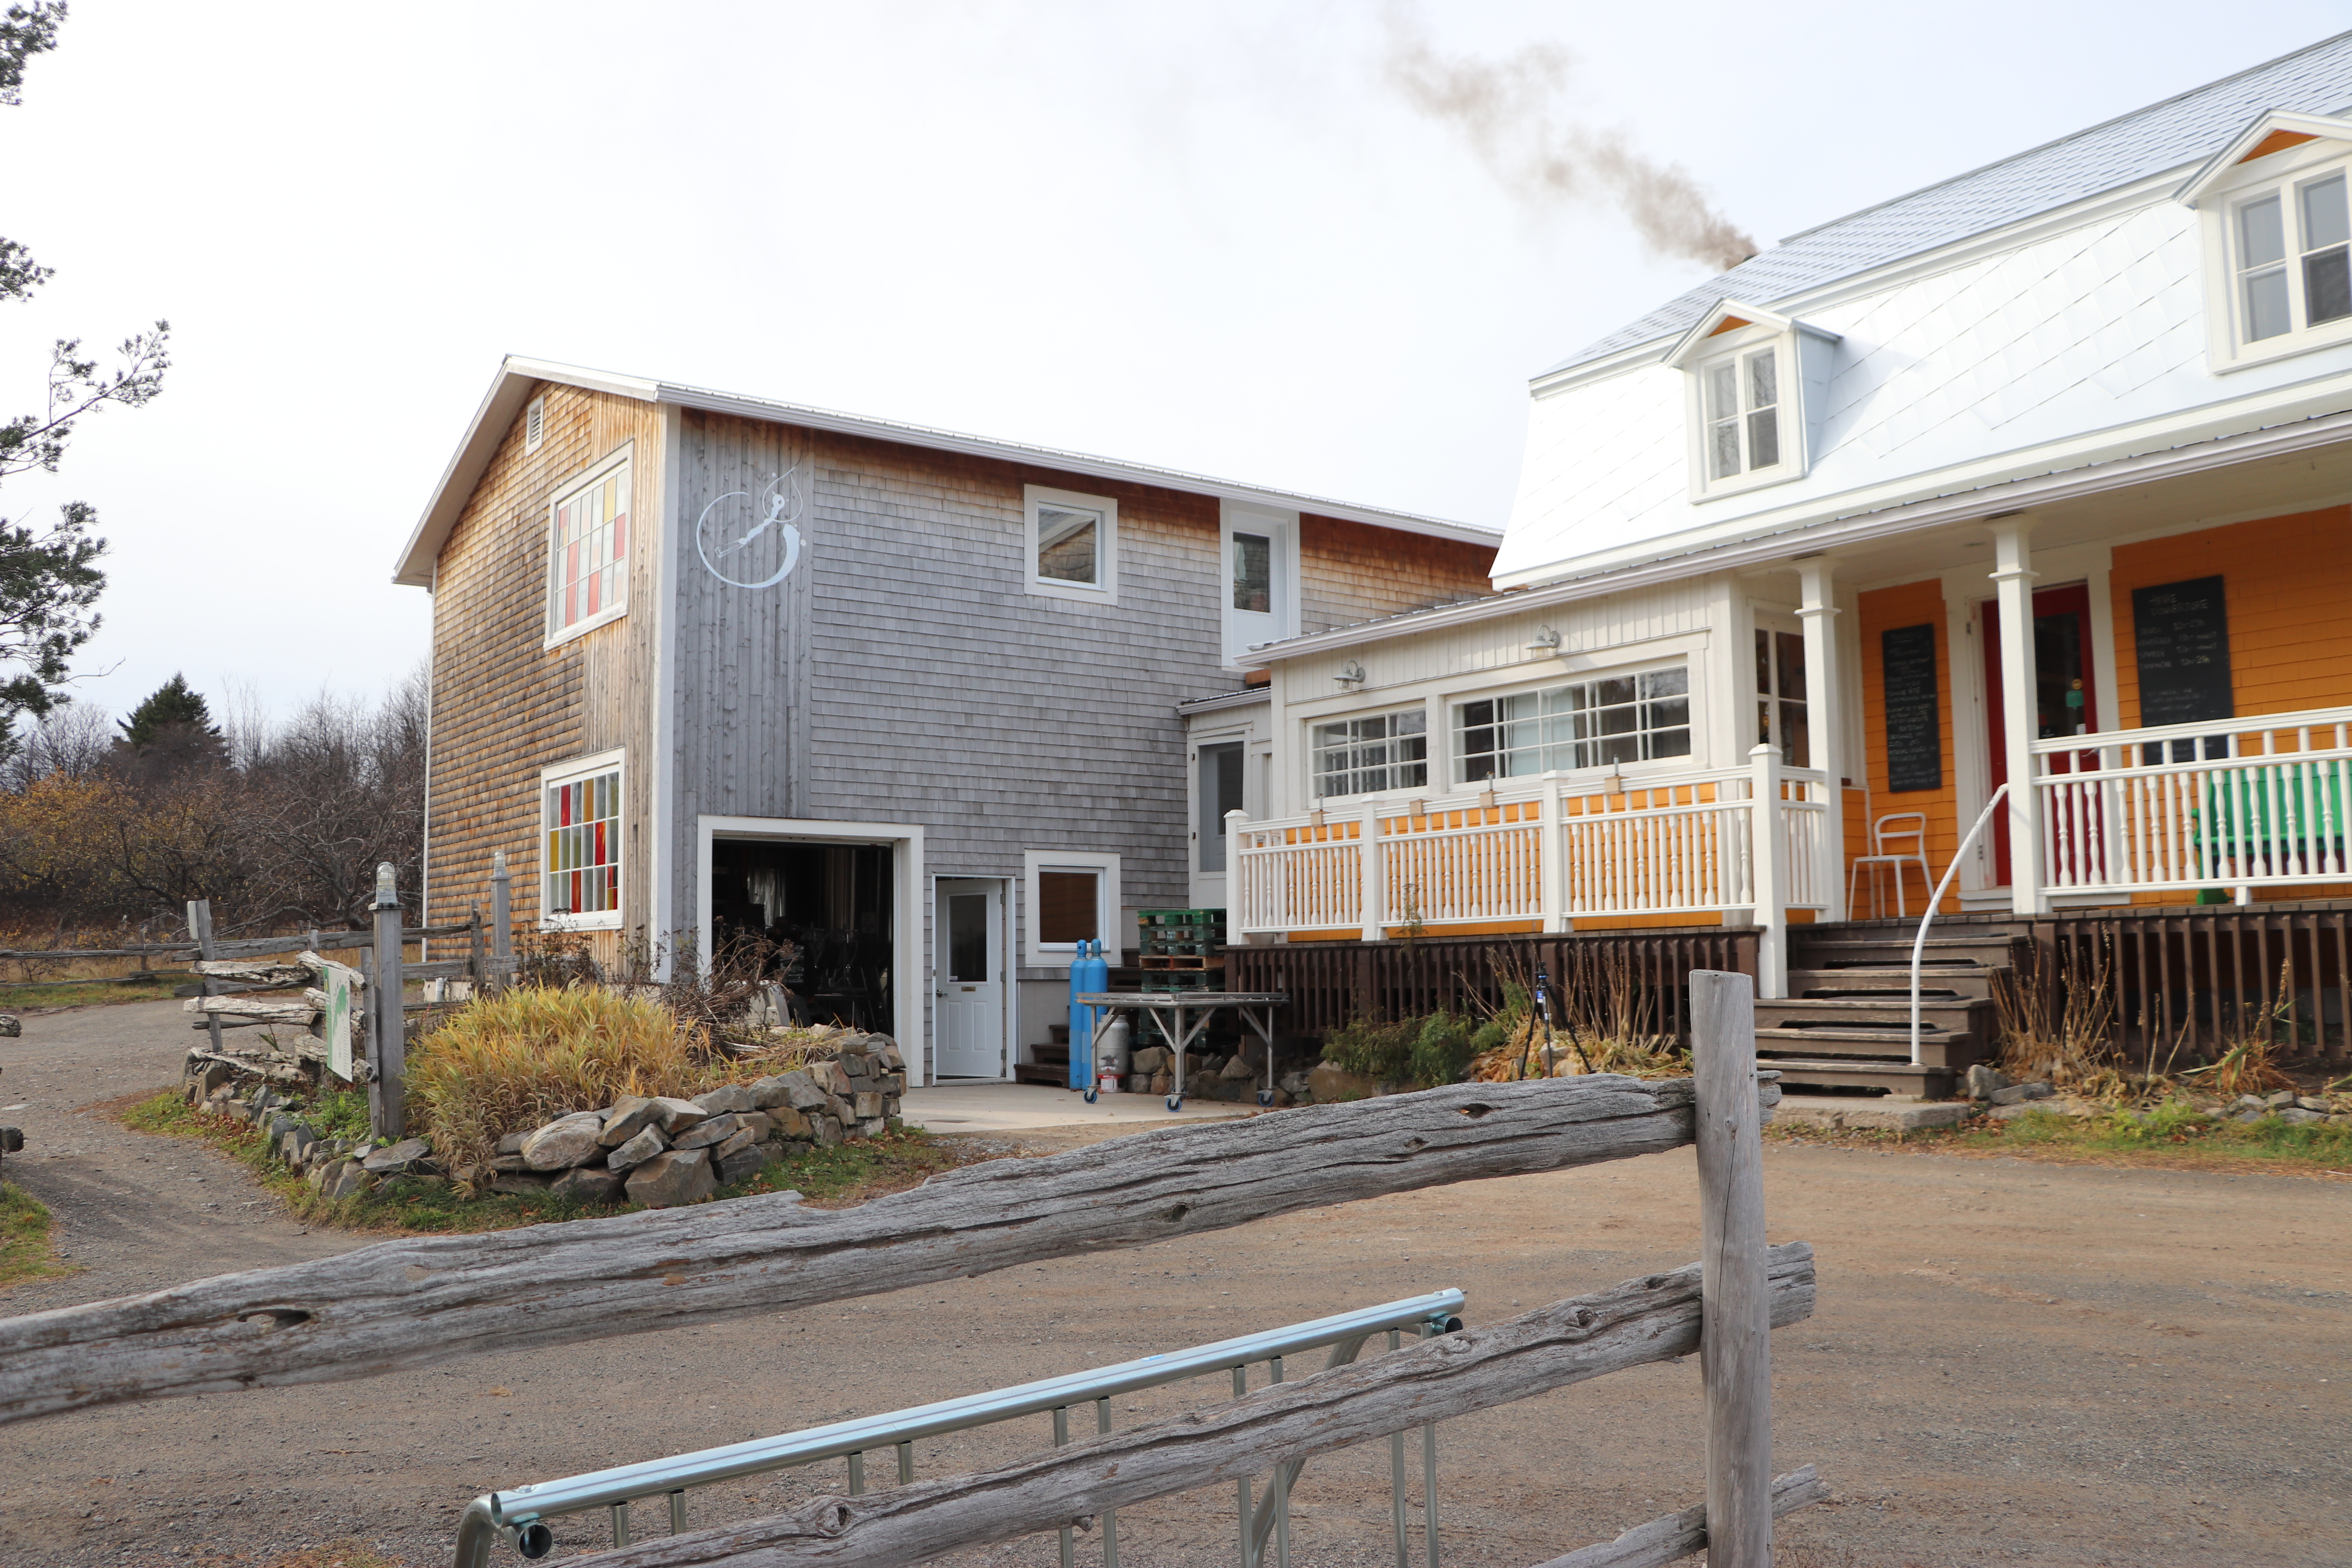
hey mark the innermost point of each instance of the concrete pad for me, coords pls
(1893, 1113)
(1018, 1107)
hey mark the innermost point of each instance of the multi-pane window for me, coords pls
(2294, 258)
(1743, 414)
(1359, 756)
(588, 572)
(582, 860)
(1606, 723)
(1780, 696)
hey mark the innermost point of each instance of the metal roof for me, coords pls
(2180, 130)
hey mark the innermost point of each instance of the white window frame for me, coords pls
(1735, 347)
(612, 761)
(1281, 528)
(1105, 591)
(1039, 954)
(1427, 758)
(620, 457)
(2284, 174)
(1457, 758)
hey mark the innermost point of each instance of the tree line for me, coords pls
(280, 821)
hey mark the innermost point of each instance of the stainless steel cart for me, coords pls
(1180, 1017)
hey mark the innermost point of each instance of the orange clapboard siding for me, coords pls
(1884, 610)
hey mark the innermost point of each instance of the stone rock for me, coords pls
(893, 1084)
(874, 1127)
(675, 1116)
(833, 1078)
(680, 1176)
(11, 1027)
(295, 1143)
(867, 1104)
(320, 1170)
(801, 1090)
(728, 1097)
(512, 1143)
(828, 1131)
(768, 1093)
(565, 1142)
(636, 1150)
(2250, 1102)
(522, 1183)
(2297, 1116)
(1236, 1069)
(627, 1116)
(348, 1180)
(1148, 1059)
(2313, 1102)
(720, 1129)
(2017, 1093)
(504, 1162)
(1328, 1082)
(741, 1138)
(840, 1109)
(589, 1185)
(1984, 1082)
(741, 1165)
(395, 1160)
(789, 1123)
(2250, 1115)
(1163, 1082)
(212, 1077)
(892, 1058)
(2279, 1100)
(2340, 1118)
(1138, 1083)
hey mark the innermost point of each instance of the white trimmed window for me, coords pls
(2276, 208)
(1743, 412)
(1071, 544)
(1371, 753)
(1746, 371)
(1072, 896)
(1608, 722)
(588, 552)
(580, 844)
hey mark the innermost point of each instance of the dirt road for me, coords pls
(2013, 1363)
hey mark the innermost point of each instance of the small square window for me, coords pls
(1069, 906)
(1072, 542)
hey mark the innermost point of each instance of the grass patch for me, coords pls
(834, 1177)
(2173, 1135)
(25, 1225)
(32, 998)
(338, 1554)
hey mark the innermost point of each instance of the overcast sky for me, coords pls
(1211, 235)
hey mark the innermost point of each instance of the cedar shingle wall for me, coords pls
(1350, 572)
(504, 706)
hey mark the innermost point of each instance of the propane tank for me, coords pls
(1110, 1063)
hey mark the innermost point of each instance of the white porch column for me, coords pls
(2012, 577)
(1769, 871)
(1553, 865)
(1374, 897)
(1825, 718)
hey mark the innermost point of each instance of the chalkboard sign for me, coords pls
(2182, 630)
(1915, 734)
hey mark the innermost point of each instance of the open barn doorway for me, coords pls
(830, 911)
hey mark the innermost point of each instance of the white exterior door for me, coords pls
(968, 977)
(1260, 571)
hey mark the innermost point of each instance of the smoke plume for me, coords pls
(1508, 112)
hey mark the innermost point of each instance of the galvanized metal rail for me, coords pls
(519, 1516)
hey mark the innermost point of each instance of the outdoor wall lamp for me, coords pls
(1546, 641)
(1351, 674)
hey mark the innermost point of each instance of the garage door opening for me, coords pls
(832, 902)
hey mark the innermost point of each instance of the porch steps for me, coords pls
(1846, 1023)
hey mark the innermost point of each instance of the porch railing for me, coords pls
(1543, 853)
(2237, 803)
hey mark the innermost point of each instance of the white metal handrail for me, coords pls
(1919, 942)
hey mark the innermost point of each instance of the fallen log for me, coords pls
(1679, 1535)
(1643, 1320)
(419, 1300)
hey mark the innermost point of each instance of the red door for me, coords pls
(2065, 701)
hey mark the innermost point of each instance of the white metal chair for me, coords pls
(1881, 833)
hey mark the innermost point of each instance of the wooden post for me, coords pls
(501, 920)
(200, 929)
(1373, 885)
(1825, 718)
(2012, 577)
(1735, 1322)
(1768, 871)
(387, 1027)
(1551, 855)
(474, 970)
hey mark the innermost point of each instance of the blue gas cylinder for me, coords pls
(1089, 974)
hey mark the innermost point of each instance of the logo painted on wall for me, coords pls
(757, 542)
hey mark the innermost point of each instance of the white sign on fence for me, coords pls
(341, 984)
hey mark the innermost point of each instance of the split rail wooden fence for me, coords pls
(420, 1300)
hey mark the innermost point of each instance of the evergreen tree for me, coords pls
(173, 711)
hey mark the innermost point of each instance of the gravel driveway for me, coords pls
(2013, 1363)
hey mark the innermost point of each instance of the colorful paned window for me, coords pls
(590, 551)
(583, 845)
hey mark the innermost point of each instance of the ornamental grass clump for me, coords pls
(511, 1061)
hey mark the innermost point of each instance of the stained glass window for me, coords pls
(583, 845)
(590, 548)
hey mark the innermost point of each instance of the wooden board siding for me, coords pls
(2287, 582)
(504, 706)
(1351, 572)
(1884, 610)
(1499, 643)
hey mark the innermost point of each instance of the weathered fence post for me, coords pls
(501, 920)
(387, 1027)
(1736, 1317)
(200, 929)
(474, 969)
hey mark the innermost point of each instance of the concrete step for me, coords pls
(1898, 1078)
(1948, 982)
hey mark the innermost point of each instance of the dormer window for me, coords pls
(1743, 414)
(2277, 209)
(1748, 371)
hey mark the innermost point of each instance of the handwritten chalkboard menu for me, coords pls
(2182, 630)
(1914, 735)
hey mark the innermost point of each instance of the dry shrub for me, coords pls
(2058, 1020)
(1607, 1023)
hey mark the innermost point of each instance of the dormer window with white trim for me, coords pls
(1747, 372)
(2277, 209)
